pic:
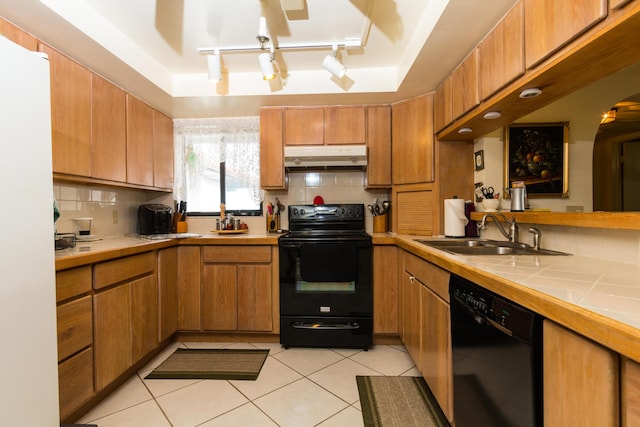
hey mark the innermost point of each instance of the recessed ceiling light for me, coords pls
(464, 131)
(532, 92)
(492, 115)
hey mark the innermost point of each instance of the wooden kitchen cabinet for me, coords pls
(617, 4)
(412, 140)
(272, 173)
(162, 151)
(630, 393)
(139, 142)
(378, 138)
(237, 288)
(108, 131)
(75, 338)
(18, 36)
(385, 290)
(442, 112)
(501, 53)
(167, 292)
(189, 279)
(580, 380)
(411, 316)
(550, 24)
(125, 306)
(433, 357)
(464, 86)
(303, 126)
(345, 125)
(70, 114)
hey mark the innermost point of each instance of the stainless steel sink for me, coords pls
(486, 247)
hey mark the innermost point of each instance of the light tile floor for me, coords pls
(296, 387)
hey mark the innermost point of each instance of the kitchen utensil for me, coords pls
(373, 212)
(488, 192)
(385, 206)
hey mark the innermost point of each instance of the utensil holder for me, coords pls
(181, 227)
(380, 224)
(273, 223)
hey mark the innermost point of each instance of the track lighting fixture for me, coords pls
(333, 65)
(266, 65)
(214, 65)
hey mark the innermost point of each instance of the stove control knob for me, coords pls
(301, 211)
(295, 211)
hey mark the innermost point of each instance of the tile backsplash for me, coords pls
(114, 210)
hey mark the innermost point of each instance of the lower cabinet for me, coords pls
(125, 314)
(581, 380)
(630, 389)
(385, 290)
(425, 329)
(237, 288)
(168, 292)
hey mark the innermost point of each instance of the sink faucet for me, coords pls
(536, 237)
(512, 235)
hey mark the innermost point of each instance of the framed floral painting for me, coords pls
(538, 155)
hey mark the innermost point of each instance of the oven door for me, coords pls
(326, 277)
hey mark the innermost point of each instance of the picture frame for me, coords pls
(478, 160)
(538, 155)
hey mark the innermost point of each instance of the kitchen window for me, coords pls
(218, 161)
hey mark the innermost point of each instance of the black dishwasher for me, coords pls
(497, 359)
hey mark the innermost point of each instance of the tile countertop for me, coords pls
(597, 298)
(114, 247)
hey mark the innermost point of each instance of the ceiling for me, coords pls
(150, 47)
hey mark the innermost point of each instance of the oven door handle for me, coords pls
(326, 326)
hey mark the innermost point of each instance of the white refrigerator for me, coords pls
(28, 358)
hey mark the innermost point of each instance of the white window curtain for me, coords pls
(200, 146)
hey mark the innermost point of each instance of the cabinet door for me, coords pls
(501, 53)
(254, 298)
(272, 174)
(70, 114)
(580, 380)
(108, 131)
(464, 86)
(385, 290)
(345, 125)
(111, 334)
(411, 315)
(189, 299)
(168, 291)
(75, 382)
(378, 147)
(162, 151)
(630, 393)
(18, 36)
(144, 316)
(139, 142)
(550, 24)
(304, 126)
(436, 351)
(412, 140)
(219, 297)
(442, 112)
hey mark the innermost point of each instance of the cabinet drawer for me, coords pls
(73, 282)
(433, 277)
(75, 382)
(75, 327)
(119, 270)
(237, 254)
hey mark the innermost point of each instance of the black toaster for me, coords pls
(154, 219)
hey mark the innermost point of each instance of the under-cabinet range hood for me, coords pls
(325, 156)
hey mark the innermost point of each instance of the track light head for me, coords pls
(266, 66)
(214, 65)
(331, 64)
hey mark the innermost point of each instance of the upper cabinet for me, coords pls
(550, 24)
(303, 126)
(108, 131)
(501, 53)
(272, 176)
(353, 125)
(18, 36)
(464, 86)
(139, 142)
(162, 151)
(70, 114)
(412, 140)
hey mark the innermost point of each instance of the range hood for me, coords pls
(323, 156)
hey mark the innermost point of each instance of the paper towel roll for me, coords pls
(454, 218)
